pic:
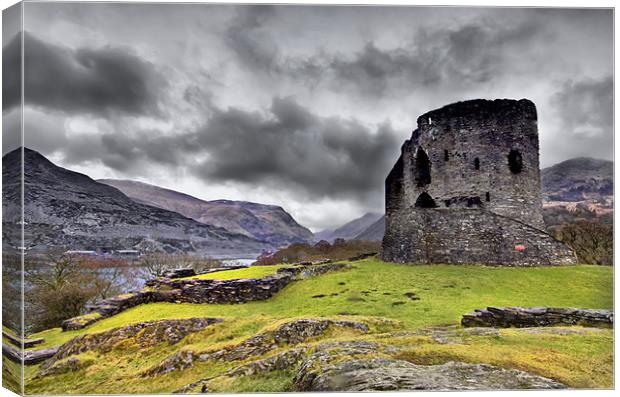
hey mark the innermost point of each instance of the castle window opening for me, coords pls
(422, 168)
(477, 163)
(488, 196)
(425, 201)
(515, 161)
(474, 202)
(446, 155)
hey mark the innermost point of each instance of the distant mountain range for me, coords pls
(374, 232)
(580, 181)
(268, 223)
(69, 210)
(568, 187)
(350, 230)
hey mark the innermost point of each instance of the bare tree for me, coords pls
(61, 286)
(156, 264)
(58, 289)
(591, 240)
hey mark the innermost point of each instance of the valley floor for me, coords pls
(412, 313)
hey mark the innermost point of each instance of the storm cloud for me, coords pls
(300, 106)
(585, 113)
(85, 80)
(286, 147)
(467, 55)
(586, 107)
(291, 146)
(461, 55)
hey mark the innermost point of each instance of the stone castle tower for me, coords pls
(466, 189)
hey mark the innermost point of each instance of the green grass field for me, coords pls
(376, 290)
(248, 272)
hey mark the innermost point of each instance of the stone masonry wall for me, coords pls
(469, 236)
(199, 290)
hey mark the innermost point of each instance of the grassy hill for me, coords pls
(383, 295)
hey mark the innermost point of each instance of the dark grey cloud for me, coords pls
(250, 41)
(585, 113)
(289, 148)
(221, 133)
(293, 147)
(461, 55)
(586, 106)
(131, 153)
(85, 80)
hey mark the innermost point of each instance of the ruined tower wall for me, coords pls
(469, 236)
(466, 164)
(455, 136)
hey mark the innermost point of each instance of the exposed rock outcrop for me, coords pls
(379, 374)
(521, 317)
(290, 333)
(66, 365)
(180, 360)
(145, 334)
(357, 365)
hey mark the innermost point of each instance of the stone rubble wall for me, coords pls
(201, 291)
(520, 317)
(225, 291)
(306, 271)
(189, 272)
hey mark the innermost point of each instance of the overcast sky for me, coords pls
(304, 107)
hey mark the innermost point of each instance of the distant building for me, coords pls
(81, 253)
(128, 254)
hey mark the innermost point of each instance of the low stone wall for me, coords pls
(111, 306)
(28, 343)
(189, 272)
(201, 291)
(301, 272)
(521, 317)
(31, 357)
(225, 291)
